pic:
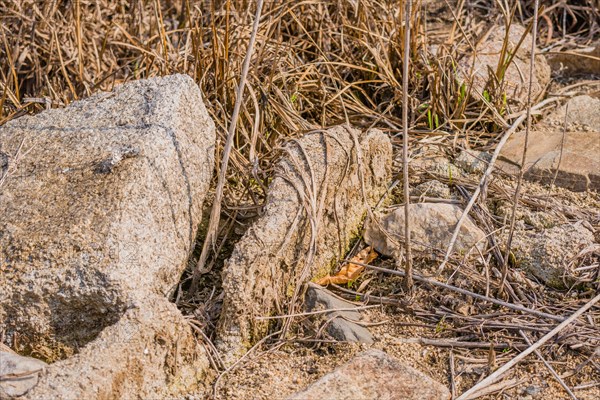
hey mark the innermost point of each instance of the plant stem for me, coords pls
(408, 281)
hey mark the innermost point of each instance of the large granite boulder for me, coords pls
(100, 203)
(322, 189)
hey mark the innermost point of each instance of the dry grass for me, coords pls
(316, 63)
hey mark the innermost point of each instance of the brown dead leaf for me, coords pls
(350, 272)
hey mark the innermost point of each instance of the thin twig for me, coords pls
(560, 154)
(215, 212)
(467, 293)
(513, 216)
(452, 374)
(456, 343)
(329, 310)
(496, 387)
(500, 371)
(408, 281)
(547, 364)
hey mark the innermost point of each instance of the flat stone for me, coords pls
(548, 254)
(487, 56)
(573, 157)
(322, 188)
(374, 375)
(431, 225)
(18, 374)
(340, 324)
(100, 204)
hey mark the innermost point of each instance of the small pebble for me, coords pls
(533, 390)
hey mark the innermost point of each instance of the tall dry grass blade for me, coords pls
(408, 281)
(62, 66)
(524, 155)
(560, 155)
(215, 214)
(80, 56)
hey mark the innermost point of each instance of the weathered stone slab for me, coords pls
(323, 186)
(374, 375)
(431, 226)
(342, 325)
(487, 56)
(100, 203)
(581, 111)
(574, 161)
(570, 154)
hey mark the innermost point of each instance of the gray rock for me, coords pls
(431, 224)
(315, 205)
(516, 78)
(18, 374)
(374, 375)
(100, 203)
(340, 324)
(473, 161)
(432, 189)
(549, 255)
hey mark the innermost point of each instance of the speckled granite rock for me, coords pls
(323, 186)
(100, 203)
(431, 224)
(374, 375)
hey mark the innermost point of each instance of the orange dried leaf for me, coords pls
(351, 271)
(324, 281)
